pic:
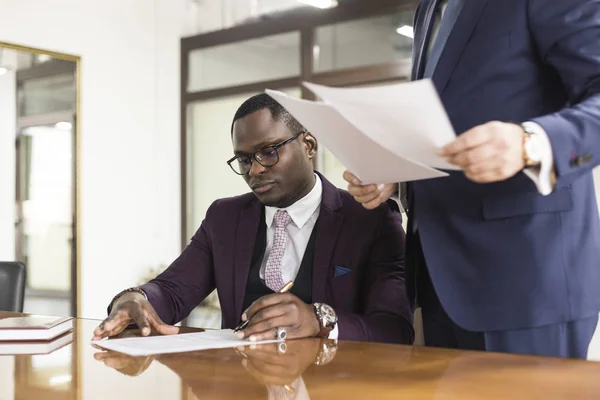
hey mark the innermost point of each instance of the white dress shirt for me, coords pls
(304, 214)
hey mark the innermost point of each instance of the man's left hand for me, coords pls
(280, 311)
(487, 153)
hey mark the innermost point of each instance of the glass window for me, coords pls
(256, 60)
(47, 95)
(362, 42)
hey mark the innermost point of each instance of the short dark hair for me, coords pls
(262, 101)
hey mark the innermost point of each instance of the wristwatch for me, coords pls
(532, 147)
(327, 351)
(326, 317)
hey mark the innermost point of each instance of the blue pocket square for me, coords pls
(339, 271)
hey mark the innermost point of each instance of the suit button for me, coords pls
(581, 160)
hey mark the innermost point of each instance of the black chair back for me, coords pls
(12, 286)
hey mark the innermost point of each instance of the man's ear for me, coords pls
(311, 145)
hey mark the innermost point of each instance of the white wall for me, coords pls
(129, 131)
(8, 112)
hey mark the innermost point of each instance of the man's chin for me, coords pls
(268, 199)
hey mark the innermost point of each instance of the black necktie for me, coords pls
(450, 15)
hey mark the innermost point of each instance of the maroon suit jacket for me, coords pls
(370, 300)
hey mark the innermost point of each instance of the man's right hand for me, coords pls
(370, 196)
(132, 308)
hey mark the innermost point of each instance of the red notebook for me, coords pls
(33, 327)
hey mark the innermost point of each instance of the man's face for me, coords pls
(284, 183)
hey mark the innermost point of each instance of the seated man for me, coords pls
(346, 262)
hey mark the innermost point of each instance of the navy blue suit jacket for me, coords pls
(502, 256)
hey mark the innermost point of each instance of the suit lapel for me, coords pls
(244, 246)
(328, 227)
(455, 45)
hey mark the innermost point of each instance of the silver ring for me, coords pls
(281, 334)
(281, 348)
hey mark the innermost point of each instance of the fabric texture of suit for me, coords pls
(501, 256)
(370, 298)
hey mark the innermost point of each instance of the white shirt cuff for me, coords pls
(334, 334)
(542, 176)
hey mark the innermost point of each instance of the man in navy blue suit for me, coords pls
(505, 255)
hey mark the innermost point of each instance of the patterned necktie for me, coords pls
(274, 268)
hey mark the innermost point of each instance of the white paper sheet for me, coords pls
(145, 346)
(383, 134)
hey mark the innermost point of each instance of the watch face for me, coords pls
(533, 148)
(328, 314)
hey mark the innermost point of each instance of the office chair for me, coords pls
(12, 286)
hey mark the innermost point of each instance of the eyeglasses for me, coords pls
(267, 157)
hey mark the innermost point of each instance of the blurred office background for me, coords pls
(101, 183)
(115, 117)
(114, 133)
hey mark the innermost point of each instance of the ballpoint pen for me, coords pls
(284, 289)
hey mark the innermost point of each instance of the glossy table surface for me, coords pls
(306, 369)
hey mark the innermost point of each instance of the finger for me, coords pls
(258, 351)
(358, 191)
(267, 329)
(110, 328)
(139, 318)
(160, 326)
(351, 178)
(497, 174)
(117, 329)
(112, 321)
(265, 320)
(474, 155)
(266, 301)
(115, 362)
(271, 372)
(376, 202)
(269, 334)
(471, 138)
(101, 356)
(484, 166)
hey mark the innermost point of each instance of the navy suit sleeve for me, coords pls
(187, 281)
(387, 316)
(568, 37)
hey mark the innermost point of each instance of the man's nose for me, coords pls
(256, 169)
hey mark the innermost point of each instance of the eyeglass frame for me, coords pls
(252, 156)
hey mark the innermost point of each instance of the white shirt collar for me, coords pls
(301, 210)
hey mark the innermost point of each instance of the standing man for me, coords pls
(505, 255)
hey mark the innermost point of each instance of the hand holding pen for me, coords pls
(281, 316)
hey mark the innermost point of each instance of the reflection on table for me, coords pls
(305, 369)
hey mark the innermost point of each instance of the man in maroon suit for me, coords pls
(346, 262)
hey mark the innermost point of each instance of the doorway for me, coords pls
(43, 88)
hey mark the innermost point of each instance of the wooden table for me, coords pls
(346, 370)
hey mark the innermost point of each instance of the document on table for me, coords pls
(384, 134)
(145, 346)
